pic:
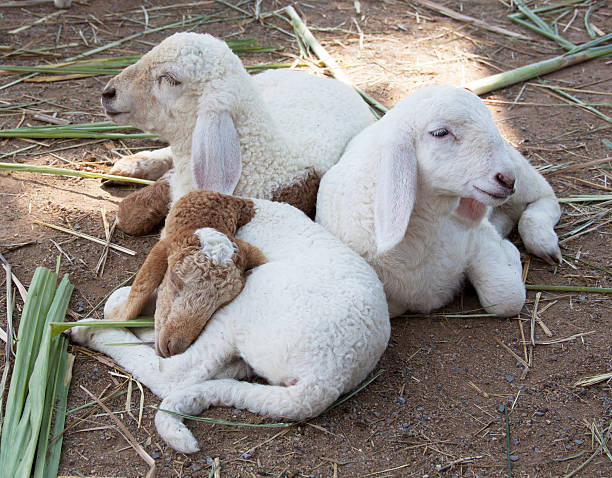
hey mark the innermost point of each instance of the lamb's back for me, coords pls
(317, 115)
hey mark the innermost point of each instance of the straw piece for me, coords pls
(574, 167)
(566, 339)
(562, 95)
(40, 20)
(512, 352)
(86, 236)
(587, 381)
(474, 21)
(127, 435)
(306, 35)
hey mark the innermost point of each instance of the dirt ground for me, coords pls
(437, 408)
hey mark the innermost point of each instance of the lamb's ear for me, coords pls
(395, 194)
(254, 257)
(215, 152)
(148, 278)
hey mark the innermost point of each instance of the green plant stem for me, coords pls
(569, 288)
(544, 28)
(308, 38)
(527, 72)
(69, 172)
(58, 327)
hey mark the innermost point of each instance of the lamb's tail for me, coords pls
(295, 402)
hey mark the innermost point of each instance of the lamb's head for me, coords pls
(161, 92)
(206, 270)
(458, 148)
(186, 90)
(197, 268)
(443, 141)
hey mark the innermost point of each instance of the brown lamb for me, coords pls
(184, 256)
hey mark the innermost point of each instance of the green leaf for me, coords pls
(58, 327)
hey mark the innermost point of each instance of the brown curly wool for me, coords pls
(302, 193)
(144, 209)
(192, 284)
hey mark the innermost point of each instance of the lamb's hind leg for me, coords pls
(295, 402)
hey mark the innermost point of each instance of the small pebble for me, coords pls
(196, 467)
(420, 409)
(246, 456)
(513, 458)
(155, 456)
(510, 378)
(401, 400)
(578, 442)
(501, 409)
(539, 414)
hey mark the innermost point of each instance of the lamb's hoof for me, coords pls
(81, 335)
(541, 241)
(553, 257)
(175, 433)
(132, 166)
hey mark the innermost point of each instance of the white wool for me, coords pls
(312, 322)
(433, 254)
(286, 120)
(216, 245)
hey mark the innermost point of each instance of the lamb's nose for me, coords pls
(109, 93)
(505, 181)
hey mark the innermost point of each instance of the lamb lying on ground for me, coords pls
(269, 136)
(312, 321)
(199, 264)
(412, 193)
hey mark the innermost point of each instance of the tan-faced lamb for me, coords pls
(199, 247)
(312, 321)
(412, 193)
(268, 136)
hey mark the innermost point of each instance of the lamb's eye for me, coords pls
(438, 133)
(170, 79)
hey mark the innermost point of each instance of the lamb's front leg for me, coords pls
(145, 164)
(158, 374)
(495, 272)
(144, 209)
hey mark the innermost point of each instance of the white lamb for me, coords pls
(268, 136)
(412, 193)
(312, 321)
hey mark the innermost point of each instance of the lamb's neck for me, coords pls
(266, 151)
(430, 213)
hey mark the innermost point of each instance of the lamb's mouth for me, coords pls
(495, 195)
(113, 113)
